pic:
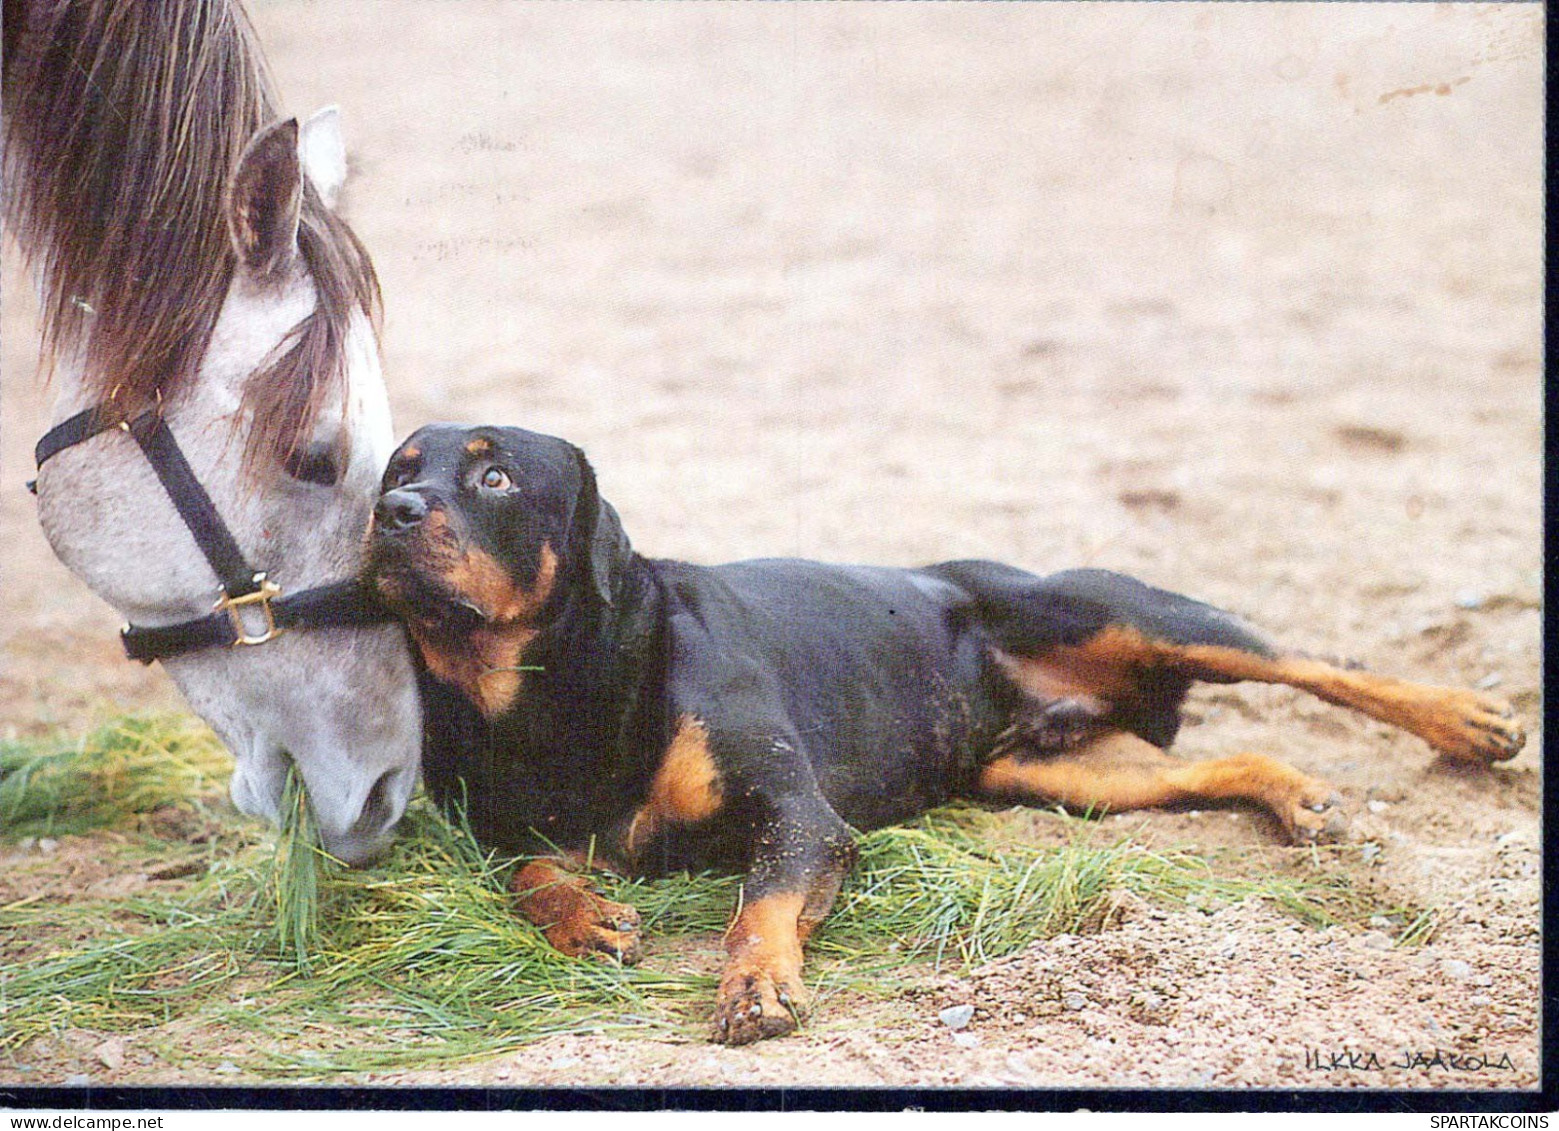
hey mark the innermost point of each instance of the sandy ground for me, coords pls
(1243, 301)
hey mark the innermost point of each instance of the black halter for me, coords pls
(341, 604)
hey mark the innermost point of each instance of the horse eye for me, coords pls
(496, 479)
(314, 464)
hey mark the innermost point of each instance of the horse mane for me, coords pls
(124, 120)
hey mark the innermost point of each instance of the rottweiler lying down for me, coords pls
(584, 701)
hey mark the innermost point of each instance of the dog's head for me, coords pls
(484, 536)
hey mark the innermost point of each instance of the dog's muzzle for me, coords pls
(400, 510)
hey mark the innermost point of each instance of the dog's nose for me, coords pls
(400, 510)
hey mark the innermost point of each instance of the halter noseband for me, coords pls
(340, 604)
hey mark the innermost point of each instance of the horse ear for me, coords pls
(601, 534)
(264, 200)
(324, 154)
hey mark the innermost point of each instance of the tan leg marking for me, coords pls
(575, 919)
(1461, 724)
(1106, 669)
(1120, 771)
(761, 985)
(686, 788)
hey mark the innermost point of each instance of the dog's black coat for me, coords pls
(591, 704)
(831, 695)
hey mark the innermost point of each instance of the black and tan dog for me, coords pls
(657, 715)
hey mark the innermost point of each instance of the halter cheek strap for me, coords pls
(342, 604)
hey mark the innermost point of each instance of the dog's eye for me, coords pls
(496, 479)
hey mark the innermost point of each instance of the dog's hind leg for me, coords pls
(1466, 725)
(1129, 652)
(1117, 771)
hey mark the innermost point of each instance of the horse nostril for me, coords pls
(400, 510)
(378, 807)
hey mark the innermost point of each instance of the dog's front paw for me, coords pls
(603, 930)
(755, 1003)
(575, 919)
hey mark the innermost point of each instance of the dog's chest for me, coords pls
(524, 787)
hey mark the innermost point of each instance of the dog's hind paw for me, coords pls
(1316, 819)
(1310, 808)
(1474, 727)
(1051, 726)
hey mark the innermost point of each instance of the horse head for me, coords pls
(338, 703)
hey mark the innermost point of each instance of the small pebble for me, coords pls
(1376, 806)
(1376, 940)
(1370, 852)
(1469, 599)
(1456, 969)
(966, 1040)
(1479, 999)
(227, 1068)
(1480, 980)
(1076, 1002)
(1490, 681)
(47, 844)
(957, 1016)
(78, 1080)
(111, 1053)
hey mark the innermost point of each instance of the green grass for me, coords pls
(313, 970)
(131, 766)
(294, 880)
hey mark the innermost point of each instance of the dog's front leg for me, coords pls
(574, 918)
(799, 861)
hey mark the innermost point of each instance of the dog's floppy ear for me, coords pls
(598, 533)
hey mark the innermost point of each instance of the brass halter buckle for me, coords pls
(232, 606)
